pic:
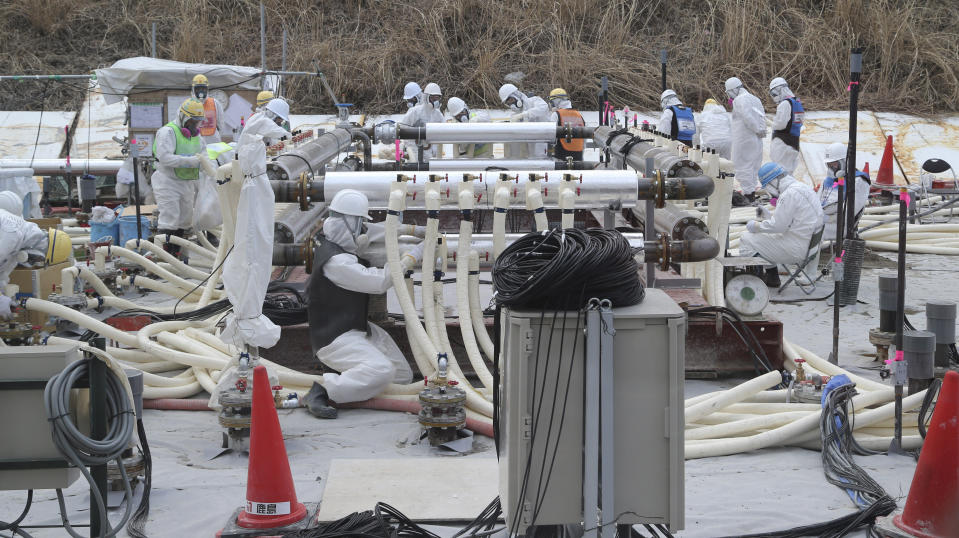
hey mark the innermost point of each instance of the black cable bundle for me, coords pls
(561, 269)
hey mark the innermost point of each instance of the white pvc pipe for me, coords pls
(463, 292)
(429, 263)
(567, 202)
(178, 266)
(733, 395)
(161, 239)
(501, 205)
(476, 310)
(534, 203)
(160, 286)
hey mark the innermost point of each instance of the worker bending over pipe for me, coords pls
(341, 337)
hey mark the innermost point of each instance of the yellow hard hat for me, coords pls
(710, 101)
(558, 93)
(192, 108)
(263, 97)
(200, 79)
(58, 246)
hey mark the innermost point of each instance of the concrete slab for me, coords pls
(425, 489)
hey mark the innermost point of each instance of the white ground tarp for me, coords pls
(145, 73)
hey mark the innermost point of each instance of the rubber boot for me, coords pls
(771, 278)
(739, 200)
(318, 402)
(183, 255)
(168, 246)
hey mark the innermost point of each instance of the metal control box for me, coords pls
(541, 414)
(28, 457)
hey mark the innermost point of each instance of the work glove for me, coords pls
(752, 227)
(412, 257)
(516, 117)
(5, 303)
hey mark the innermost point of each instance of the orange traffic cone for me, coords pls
(932, 508)
(884, 177)
(865, 169)
(270, 495)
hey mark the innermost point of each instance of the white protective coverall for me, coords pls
(780, 152)
(18, 240)
(829, 194)
(477, 150)
(534, 109)
(124, 186)
(784, 237)
(714, 130)
(246, 271)
(419, 116)
(175, 197)
(748, 131)
(368, 363)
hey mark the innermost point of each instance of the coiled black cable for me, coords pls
(557, 269)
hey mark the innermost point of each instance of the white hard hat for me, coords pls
(411, 90)
(11, 203)
(732, 83)
(279, 107)
(432, 89)
(666, 97)
(777, 82)
(351, 202)
(455, 105)
(505, 91)
(835, 152)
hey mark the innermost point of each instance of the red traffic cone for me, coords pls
(884, 177)
(932, 508)
(270, 495)
(865, 169)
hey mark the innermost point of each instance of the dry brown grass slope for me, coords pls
(370, 48)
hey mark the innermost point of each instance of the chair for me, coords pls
(800, 268)
(932, 167)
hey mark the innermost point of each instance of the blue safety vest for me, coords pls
(684, 124)
(790, 133)
(829, 185)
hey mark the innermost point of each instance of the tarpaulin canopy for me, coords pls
(147, 74)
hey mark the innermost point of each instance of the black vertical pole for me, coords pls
(604, 101)
(662, 63)
(855, 70)
(837, 268)
(135, 152)
(98, 430)
(899, 367)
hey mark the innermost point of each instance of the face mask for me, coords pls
(773, 190)
(190, 130)
(410, 103)
(362, 242)
(463, 117)
(729, 101)
(200, 92)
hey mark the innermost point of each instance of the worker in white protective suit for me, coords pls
(427, 111)
(525, 109)
(787, 124)
(180, 151)
(459, 112)
(246, 271)
(22, 241)
(412, 93)
(748, 131)
(830, 190)
(365, 356)
(713, 129)
(677, 121)
(782, 236)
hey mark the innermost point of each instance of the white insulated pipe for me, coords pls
(458, 133)
(595, 189)
(463, 292)
(534, 203)
(733, 395)
(476, 310)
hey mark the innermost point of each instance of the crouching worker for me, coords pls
(783, 236)
(339, 288)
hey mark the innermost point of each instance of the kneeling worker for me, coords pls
(339, 289)
(459, 112)
(783, 237)
(20, 240)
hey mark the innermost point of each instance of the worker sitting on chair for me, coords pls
(365, 356)
(563, 113)
(782, 236)
(830, 191)
(21, 240)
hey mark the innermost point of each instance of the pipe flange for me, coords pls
(683, 224)
(665, 247)
(134, 466)
(302, 192)
(681, 165)
(308, 252)
(659, 188)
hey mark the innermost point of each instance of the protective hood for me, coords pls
(336, 230)
(714, 109)
(259, 132)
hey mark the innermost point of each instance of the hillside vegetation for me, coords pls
(370, 49)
